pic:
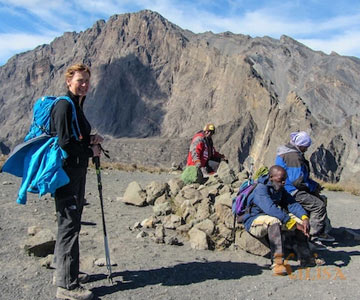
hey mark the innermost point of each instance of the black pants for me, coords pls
(69, 201)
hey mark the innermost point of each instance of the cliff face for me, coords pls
(154, 85)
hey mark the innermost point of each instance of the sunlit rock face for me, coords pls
(154, 85)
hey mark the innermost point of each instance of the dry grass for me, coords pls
(2, 160)
(132, 167)
(336, 187)
(118, 166)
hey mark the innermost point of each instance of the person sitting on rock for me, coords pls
(202, 153)
(273, 213)
(305, 190)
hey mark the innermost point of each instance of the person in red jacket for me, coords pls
(202, 153)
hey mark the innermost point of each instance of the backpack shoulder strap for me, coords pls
(76, 130)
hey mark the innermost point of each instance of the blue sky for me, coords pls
(321, 25)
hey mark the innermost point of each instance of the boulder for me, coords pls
(210, 191)
(191, 193)
(198, 239)
(149, 222)
(162, 199)
(223, 231)
(159, 234)
(203, 210)
(251, 244)
(154, 190)
(225, 173)
(206, 225)
(179, 199)
(184, 228)
(172, 221)
(134, 195)
(162, 209)
(242, 176)
(225, 215)
(141, 235)
(188, 213)
(212, 180)
(175, 185)
(224, 199)
(173, 240)
(226, 189)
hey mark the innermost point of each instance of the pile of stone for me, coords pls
(198, 213)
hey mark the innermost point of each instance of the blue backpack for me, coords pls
(239, 203)
(42, 115)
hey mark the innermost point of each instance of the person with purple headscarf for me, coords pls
(305, 190)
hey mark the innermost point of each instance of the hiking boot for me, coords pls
(311, 262)
(325, 237)
(319, 261)
(83, 278)
(278, 267)
(308, 262)
(316, 245)
(78, 293)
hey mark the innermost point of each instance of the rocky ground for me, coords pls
(146, 270)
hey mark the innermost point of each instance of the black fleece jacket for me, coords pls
(60, 125)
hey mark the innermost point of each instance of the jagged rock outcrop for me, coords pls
(154, 85)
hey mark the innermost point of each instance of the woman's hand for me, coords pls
(96, 139)
(96, 150)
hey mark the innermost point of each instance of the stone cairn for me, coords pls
(199, 213)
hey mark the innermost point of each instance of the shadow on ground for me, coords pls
(344, 239)
(334, 256)
(195, 272)
(181, 274)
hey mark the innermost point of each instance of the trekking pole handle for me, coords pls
(96, 161)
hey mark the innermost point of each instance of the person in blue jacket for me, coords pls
(272, 212)
(305, 190)
(69, 199)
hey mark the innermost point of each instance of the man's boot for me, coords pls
(278, 266)
(78, 293)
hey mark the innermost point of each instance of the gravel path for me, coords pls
(146, 270)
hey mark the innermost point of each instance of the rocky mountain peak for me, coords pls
(154, 85)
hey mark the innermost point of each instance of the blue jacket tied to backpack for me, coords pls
(39, 159)
(39, 163)
(265, 200)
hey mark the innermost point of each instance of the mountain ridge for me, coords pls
(152, 80)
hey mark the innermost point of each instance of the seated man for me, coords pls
(273, 212)
(305, 190)
(202, 153)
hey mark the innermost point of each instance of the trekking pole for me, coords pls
(96, 161)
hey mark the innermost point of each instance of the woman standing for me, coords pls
(69, 199)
